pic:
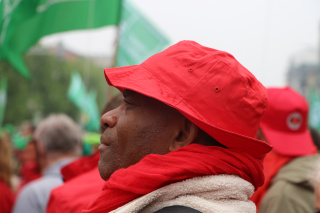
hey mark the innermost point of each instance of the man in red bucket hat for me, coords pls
(288, 166)
(184, 138)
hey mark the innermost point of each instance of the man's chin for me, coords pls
(103, 171)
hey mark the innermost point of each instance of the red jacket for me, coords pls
(83, 184)
(6, 198)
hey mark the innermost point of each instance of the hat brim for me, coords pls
(139, 79)
(289, 144)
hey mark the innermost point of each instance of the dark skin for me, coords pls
(138, 127)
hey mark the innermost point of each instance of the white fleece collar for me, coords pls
(214, 193)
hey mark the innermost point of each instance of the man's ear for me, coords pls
(187, 135)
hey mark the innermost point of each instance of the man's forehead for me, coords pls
(128, 92)
(143, 98)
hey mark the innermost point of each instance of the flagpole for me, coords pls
(86, 70)
(113, 62)
(90, 24)
(110, 89)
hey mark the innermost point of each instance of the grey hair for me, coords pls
(59, 133)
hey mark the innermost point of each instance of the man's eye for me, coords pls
(128, 103)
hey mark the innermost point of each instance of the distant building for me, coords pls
(303, 72)
(63, 53)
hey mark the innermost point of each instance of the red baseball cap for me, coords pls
(285, 123)
(209, 87)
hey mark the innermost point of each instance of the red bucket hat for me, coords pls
(209, 87)
(285, 123)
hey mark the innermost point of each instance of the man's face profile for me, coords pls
(139, 126)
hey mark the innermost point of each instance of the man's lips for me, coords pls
(104, 140)
(102, 147)
(104, 143)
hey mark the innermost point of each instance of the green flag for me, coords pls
(77, 91)
(139, 39)
(314, 110)
(24, 22)
(3, 98)
(92, 110)
(85, 101)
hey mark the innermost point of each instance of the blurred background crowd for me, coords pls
(21, 159)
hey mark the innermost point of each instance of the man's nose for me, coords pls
(109, 119)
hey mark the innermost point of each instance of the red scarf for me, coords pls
(155, 171)
(272, 163)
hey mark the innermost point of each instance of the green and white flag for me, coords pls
(24, 22)
(3, 98)
(139, 39)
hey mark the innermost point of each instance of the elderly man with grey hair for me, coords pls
(59, 141)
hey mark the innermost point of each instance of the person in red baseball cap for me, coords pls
(287, 166)
(184, 138)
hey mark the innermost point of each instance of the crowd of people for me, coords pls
(191, 131)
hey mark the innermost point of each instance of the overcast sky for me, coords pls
(262, 34)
